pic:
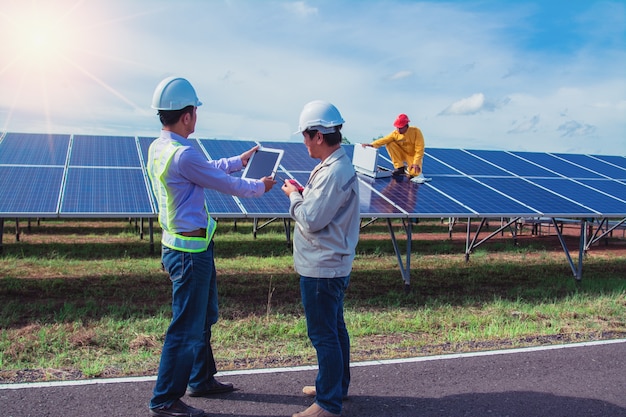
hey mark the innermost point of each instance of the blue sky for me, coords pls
(545, 75)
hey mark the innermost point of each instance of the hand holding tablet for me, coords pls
(263, 163)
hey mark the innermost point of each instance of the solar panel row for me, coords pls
(104, 176)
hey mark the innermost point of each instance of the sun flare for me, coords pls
(53, 55)
(41, 35)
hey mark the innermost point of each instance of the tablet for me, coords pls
(263, 163)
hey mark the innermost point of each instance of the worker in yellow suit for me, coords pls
(405, 146)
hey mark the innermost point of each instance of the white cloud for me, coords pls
(472, 105)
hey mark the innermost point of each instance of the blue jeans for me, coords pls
(187, 358)
(322, 299)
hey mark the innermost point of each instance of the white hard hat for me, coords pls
(174, 93)
(320, 115)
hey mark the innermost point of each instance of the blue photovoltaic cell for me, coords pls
(545, 202)
(218, 149)
(105, 191)
(272, 203)
(296, 156)
(144, 145)
(30, 190)
(34, 149)
(464, 162)
(479, 198)
(513, 164)
(614, 188)
(221, 205)
(432, 167)
(104, 151)
(583, 195)
(564, 168)
(619, 161)
(372, 203)
(601, 167)
(414, 198)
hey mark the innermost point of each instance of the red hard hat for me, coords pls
(401, 121)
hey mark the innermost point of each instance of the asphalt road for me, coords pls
(580, 380)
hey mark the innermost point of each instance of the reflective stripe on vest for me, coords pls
(157, 169)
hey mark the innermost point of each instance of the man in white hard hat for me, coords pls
(325, 237)
(179, 174)
(405, 146)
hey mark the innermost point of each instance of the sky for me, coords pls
(541, 76)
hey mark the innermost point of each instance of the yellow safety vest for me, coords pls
(157, 169)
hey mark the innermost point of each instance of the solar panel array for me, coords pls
(58, 175)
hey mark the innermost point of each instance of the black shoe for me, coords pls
(178, 409)
(399, 172)
(211, 388)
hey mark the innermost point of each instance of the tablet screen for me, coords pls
(263, 163)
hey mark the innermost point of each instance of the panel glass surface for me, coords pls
(512, 163)
(221, 205)
(34, 149)
(218, 149)
(619, 161)
(296, 157)
(29, 189)
(272, 203)
(545, 202)
(105, 191)
(104, 151)
(583, 195)
(552, 163)
(479, 198)
(144, 145)
(601, 167)
(611, 187)
(415, 198)
(464, 162)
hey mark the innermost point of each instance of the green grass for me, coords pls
(88, 299)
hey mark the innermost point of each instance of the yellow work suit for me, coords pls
(407, 147)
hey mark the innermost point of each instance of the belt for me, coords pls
(194, 233)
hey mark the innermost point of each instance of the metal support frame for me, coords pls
(470, 246)
(577, 270)
(599, 233)
(405, 267)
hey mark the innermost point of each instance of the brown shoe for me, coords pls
(315, 411)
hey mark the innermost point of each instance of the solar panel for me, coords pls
(618, 161)
(118, 151)
(296, 157)
(585, 196)
(514, 164)
(217, 149)
(465, 163)
(33, 149)
(614, 188)
(98, 175)
(596, 165)
(106, 192)
(542, 201)
(29, 191)
(563, 168)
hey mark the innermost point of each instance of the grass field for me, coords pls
(86, 298)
